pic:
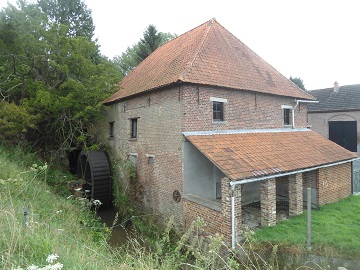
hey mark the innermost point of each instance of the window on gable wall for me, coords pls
(287, 119)
(133, 133)
(218, 108)
(218, 111)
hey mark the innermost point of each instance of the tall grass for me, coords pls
(55, 225)
(51, 223)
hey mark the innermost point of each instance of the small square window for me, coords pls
(218, 111)
(133, 134)
(111, 129)
(287, 121)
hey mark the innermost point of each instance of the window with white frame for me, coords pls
(287, 115)
(218, 108)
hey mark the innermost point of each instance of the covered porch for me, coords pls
(234, 179)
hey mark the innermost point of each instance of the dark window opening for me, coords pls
(111, 129)
(287, 117)
(218, 111)
(134, 128)
(218, 190)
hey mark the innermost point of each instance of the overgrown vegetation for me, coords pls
(335, 230)
(43, 230)
(52, 75)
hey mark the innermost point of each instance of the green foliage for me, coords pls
(54, 224)
(298, 81)
(335, 229)
(72, 13)
(67, 227)
(152, 39)
(52, 71)
(122, 172)
(15, 121)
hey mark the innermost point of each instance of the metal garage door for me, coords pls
(343, 133)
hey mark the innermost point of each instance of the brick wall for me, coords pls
(158, 135)
(334, 183)
(215, 221)
(244, 109)
(163, 115)
(319, 122)
(310, 179)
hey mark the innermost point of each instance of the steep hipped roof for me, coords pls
(346, 98)
(209, 55)
(247, 154)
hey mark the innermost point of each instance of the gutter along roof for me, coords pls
(207, 55)
(253, 154)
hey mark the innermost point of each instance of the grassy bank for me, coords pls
(36, 222)
(335, 230)
(44, 227)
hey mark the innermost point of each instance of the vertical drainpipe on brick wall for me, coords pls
(233, 216)
(297, 103)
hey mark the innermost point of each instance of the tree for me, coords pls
(127, 61)
(73, 13)
(298, 81)
(152, 39)
(54, 80)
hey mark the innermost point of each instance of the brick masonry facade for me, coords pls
(319, 121)
(243, 110)
(162, 116)
(334, 183)
(159, 137)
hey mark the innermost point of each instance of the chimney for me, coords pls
(336, 87)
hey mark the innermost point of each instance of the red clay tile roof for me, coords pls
(209, 55)
(247, 155)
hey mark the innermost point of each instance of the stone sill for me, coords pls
(220, 122)
(212, 204)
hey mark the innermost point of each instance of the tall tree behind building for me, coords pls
(151, 40)
(298, 81)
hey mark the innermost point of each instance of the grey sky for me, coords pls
(316, 40)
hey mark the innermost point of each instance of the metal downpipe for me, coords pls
(233, 216)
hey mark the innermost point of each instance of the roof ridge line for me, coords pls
(191, 63)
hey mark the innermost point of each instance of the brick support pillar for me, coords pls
(226, 207)
(268, 202)
(295, 194)
(238, 213)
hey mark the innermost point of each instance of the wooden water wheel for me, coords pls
(93, 167)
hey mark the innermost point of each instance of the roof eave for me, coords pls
(140, 93)
(269, 176)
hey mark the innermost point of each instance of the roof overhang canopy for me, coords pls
(243, 154)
